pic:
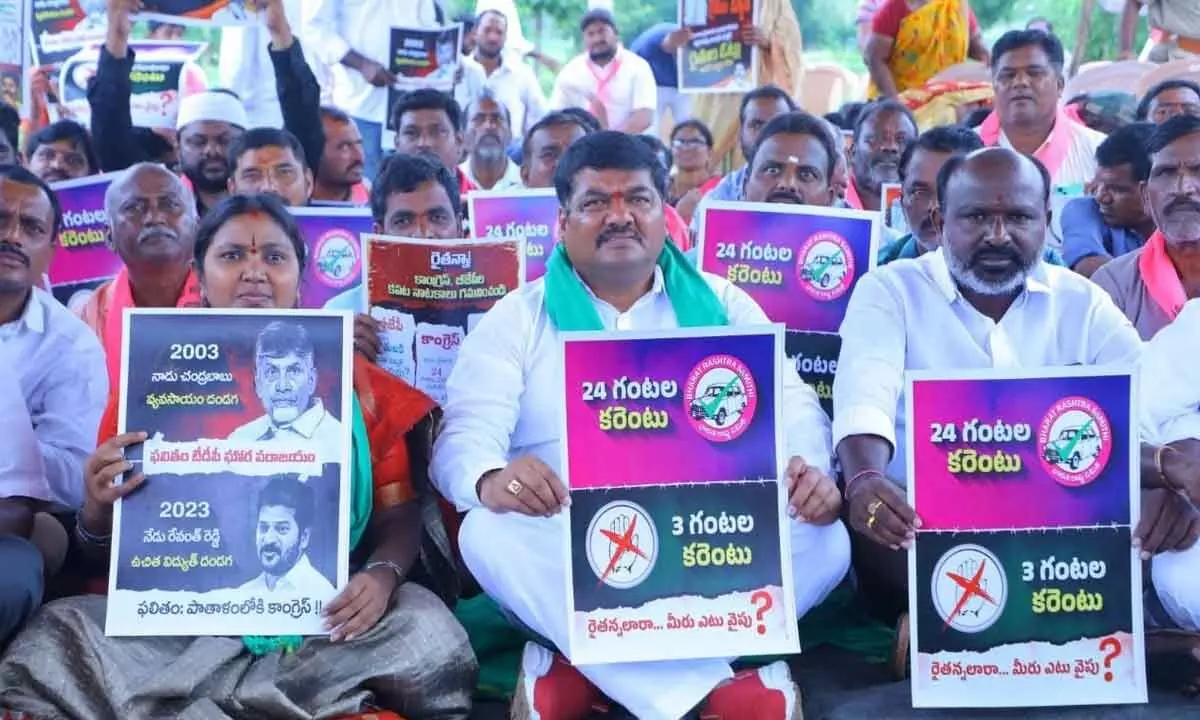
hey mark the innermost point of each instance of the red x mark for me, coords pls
(624, 543)
(970, 589)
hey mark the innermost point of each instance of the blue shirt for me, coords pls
(906, 249)
(648, 46)
(1086, 235)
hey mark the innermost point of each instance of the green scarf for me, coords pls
(361, 492)
(571, 308)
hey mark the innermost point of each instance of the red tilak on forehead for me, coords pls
(253, 245)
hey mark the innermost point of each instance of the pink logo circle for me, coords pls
(1075, 441)
(825, 266)
(720, 398)
(337, 260)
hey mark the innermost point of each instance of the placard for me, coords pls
(717, 58)
(427, 295)
(893, 210)
(163, 72)
(82, 260)
(203, 13)
(249, 418)
(672, 453)
(333, 235)
(529, 215)
(1024, 586)
(423, 57)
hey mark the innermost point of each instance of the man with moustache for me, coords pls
(498, 452)
(61, 151)
(511, 81)
(1178, 96)
(1111, 220)
(1027, 72)
(429, 123)
(1151, 284)
(489, 132)
(285, 379)
(608, 80)
(152, 227)
(882, 133)
(920, 164)
(282, 535)
(992, 303)
(207, 124)
(339, 175)
(268, 160)
(794, 162)
(545, 144)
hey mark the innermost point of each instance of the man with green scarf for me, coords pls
(498, 452)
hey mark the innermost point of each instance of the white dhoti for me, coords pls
(1176, 578)
(517, 561)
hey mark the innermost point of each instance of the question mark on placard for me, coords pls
(1114, 646)
(763, 607)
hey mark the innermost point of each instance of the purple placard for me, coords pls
(333, 278)
(511, 214)
(82, 257)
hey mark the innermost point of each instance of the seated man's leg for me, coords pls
(518, 561)
(1176, 578)
(820, 561)
(21, 590)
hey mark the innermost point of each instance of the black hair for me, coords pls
(850, 112)
(1143, 108)
(287, 491)
(237, 205)
(554, 119)
(597, 15)
(872, 110)
(428, 99)
(264, 137)
(467, 20)
(952, 139)
(335, 114)
(1017, 39)
(956, 162)
(281, 338)
(22, 176)
(490, 95)
(10, 125)
(607, 150)
(976, 117)
(696, 125)
(1177, 127)
(764, 92)
(835, 119)
(590, 122)
(490, 11)
(403, 173)
(1127, 146)
(67, 130)
(661, 151)
(801, 123)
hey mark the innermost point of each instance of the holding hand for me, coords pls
(101, 489)
(366, 337)
(376, 74)
(879, 511)
(527, 486)
(812, 496)
(360, 604)
(757, 37)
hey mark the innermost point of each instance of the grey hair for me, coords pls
(126, 176)
(489, 94)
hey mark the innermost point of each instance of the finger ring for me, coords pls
(874, 507)
(515, 487)
(871, 522)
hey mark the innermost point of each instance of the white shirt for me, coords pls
(302, 578)
(245, 66)
(1170, 380)
(504, 395)
(474, 78)
(332, 28)
(49, 428)
(1079, 165)
(510, 180)
(631, 88)
(315, 429)
(516, 87)
(910, 315)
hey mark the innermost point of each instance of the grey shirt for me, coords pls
(1122, 279)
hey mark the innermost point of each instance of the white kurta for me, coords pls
(504, 400)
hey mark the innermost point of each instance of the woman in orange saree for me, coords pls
(913, 40)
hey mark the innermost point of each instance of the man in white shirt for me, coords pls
(488, 134)
(608, 80)
(509, 79)
(1027, 72)
(353, 39)
(285, 378)
(984, 299)
(497, 456)
(281, 536)
(53, 388)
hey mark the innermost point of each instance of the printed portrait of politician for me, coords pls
(281, 537)
(285, 380)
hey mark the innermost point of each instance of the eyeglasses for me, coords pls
(689, 142)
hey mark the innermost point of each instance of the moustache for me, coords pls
(7, 248)
(1183, 204)
(613, 231)
(1004, 253)
(785, 196)
(271, 547)
(157, 231)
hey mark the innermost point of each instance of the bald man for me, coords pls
(152, 226)
(993, 302)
